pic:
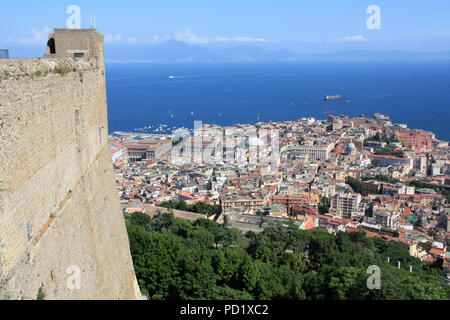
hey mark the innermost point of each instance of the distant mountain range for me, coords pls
(178, 51)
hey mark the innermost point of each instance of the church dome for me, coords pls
(351, 146)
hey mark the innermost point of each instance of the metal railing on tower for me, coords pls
(4, 54)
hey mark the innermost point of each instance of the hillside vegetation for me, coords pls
(202, 260)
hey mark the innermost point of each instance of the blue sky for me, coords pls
(327, 25)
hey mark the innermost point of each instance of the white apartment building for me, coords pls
(346, 205)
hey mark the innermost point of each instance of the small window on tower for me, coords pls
(78, 55)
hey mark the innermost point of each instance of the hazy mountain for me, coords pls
(177, 51)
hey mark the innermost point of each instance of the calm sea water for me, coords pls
(142, 95)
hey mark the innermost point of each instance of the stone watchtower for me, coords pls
(84, 44)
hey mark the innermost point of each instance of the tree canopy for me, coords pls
(199, 207)
(202, 260)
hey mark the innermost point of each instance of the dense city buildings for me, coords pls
(312, 153)
(415, 140)
(339, 174)
(147, 150)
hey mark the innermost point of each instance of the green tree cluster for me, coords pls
(422, 185)
(380, 138)
(383, 178)
(386, 151)
(389, 152)
(202, 260)
(324, 205)
(199, 207)
(355, 184)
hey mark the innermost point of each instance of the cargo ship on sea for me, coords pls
(336, 97)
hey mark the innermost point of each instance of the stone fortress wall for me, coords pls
(59, 205)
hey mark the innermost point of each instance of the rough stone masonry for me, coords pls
(61, 224)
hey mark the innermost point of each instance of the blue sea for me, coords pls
(176, 95)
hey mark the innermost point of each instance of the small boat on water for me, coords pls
(336, 97)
